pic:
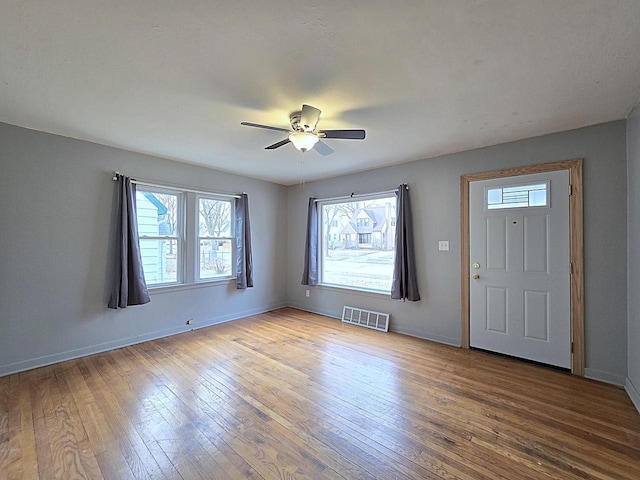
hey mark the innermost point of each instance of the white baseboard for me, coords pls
(454, 342)
(433, 338)
(317, 311)
(605, 377)
(634, 393)
(125, 342)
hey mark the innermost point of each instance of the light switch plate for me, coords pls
(443, 245)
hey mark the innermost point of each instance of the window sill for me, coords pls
(357, 291)
(190, 286)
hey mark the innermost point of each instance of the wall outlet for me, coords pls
(190, 321)
(443, 245)
(307, 293)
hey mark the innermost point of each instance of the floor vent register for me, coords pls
(366, 318)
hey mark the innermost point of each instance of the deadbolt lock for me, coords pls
(476, 266)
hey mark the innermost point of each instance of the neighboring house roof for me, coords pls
(162, 210)
(348, 229)
(378, 218)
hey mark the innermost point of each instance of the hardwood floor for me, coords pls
(290, 394)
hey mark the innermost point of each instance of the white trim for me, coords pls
(169, 288)
(432, 338)
(125, 342)
(331, 286)
(317, 311)
(357, 195)
(634, 394)
(453, 342)
(604, 377)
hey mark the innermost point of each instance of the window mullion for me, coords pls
(189, 237)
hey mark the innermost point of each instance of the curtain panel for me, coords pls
(404, 285)
(310, 272)
(244, 261)
(128, 286)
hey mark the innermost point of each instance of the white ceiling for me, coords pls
(423, 78)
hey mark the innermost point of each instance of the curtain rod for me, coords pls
(169, 187)
(358, 195)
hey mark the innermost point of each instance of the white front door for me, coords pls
(520, 269)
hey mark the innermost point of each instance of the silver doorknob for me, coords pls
(475, 276)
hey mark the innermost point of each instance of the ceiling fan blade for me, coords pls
(346, 134)
(324, 149)
(248, 124)
(309, 117)
(277, 145)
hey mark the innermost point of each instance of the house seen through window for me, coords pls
(161, 235)
(357, 243)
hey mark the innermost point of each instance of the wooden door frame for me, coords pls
(576, 251)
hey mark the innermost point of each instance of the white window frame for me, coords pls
(320, 204)
(188, 239)
(231, 238)
(179, 236)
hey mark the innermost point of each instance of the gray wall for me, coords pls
(436, 203)
(633, 185)
(55, 213)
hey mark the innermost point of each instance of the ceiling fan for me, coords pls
(303, 133)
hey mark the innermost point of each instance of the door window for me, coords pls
(517, 196)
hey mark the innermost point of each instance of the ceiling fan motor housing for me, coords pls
(294, 119)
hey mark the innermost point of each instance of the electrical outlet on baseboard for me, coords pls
(307, 293)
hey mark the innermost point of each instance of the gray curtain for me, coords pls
(244, 262)
(310, 273)
(405, 285)
(128, 286)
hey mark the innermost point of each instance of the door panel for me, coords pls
(536, 315)
(497, 309)
(536, 258)
(497, 243)
(520, 300)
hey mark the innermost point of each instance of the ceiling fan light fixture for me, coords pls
(303, 141)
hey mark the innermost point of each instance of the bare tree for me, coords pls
(171, 217)
(331, 212)
(216, 215)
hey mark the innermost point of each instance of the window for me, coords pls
(160, 229)
(173, 254)
(215, 242)
(364, 238)
(518, 196)
(357, 242)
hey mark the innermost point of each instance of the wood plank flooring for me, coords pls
(289, 394)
